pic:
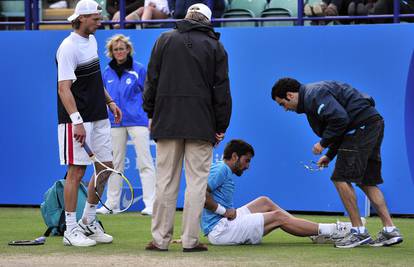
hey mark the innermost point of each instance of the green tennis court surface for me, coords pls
(131, 233)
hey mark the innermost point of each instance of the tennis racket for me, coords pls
(38, 241)
(105, 171)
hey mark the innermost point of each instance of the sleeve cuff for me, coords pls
(324, 142)
(331, 154)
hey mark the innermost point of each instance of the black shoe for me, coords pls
(199, 248)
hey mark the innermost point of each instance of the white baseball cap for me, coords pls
(85, 7)
(200, 8)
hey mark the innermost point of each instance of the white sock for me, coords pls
(326, 228)
(389, 229)
(89, 213)
(359, 229)
(70, 218)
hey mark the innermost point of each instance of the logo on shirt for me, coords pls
(109, 81)
(134, 73)
(128, 81)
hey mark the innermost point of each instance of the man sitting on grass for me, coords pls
(225, 225)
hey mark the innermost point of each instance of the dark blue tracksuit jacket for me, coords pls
(333, 109)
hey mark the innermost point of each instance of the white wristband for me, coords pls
(76, 118)
(220, 209)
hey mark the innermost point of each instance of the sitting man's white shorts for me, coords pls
(98, 137)
(246, 228)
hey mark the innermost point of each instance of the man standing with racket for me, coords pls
(187, 96)
(351, 128)
(83, 117)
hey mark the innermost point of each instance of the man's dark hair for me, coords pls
(239, 147)
(284, 85)
(76, 23)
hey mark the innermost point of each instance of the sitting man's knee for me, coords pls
(280, 215)
(268, 203)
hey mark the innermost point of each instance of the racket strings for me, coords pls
(112, 171)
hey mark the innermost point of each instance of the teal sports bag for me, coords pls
(53, 207)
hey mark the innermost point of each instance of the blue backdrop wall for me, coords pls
(376, 59)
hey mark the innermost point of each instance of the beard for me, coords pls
(237, 170)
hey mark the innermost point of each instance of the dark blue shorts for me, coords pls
(359, 156)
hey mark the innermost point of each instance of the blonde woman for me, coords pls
(124, 80)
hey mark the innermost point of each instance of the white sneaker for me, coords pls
(77, 238)
(321, 239)
(342, 229)
(59, 4)
(103, 210)
(95, 232)
(146, 211)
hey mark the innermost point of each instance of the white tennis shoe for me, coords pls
(95, 232)
(146, 211)
(103, 210)
(77, 238)
(342, 229)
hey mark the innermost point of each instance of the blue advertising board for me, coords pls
(376, 59)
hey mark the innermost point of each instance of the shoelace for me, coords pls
(340, 226)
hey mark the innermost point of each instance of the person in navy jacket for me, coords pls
(350, 127)
(124, 80)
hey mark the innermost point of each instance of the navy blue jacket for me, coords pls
(333, 109)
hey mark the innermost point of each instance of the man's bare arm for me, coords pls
(213, 206)
(66, 96)
(69, 103)
(113, 107)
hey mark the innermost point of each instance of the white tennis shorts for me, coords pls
(246, 228)
(98, 138)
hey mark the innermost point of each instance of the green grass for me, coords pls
(132, 233)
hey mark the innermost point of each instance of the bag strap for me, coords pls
(48, 231)
(62, 221)
(60, 230)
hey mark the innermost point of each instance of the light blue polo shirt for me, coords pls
(221, 183)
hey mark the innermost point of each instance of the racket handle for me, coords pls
(88, 150)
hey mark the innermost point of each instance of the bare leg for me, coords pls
(136, 15)
(152, 13)
(73, 178)
(100, 183)
(116, 18)
(140, 11)
(377, 199)
(275, 217)
(262, 205)
(347, 193)
(288, 223)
